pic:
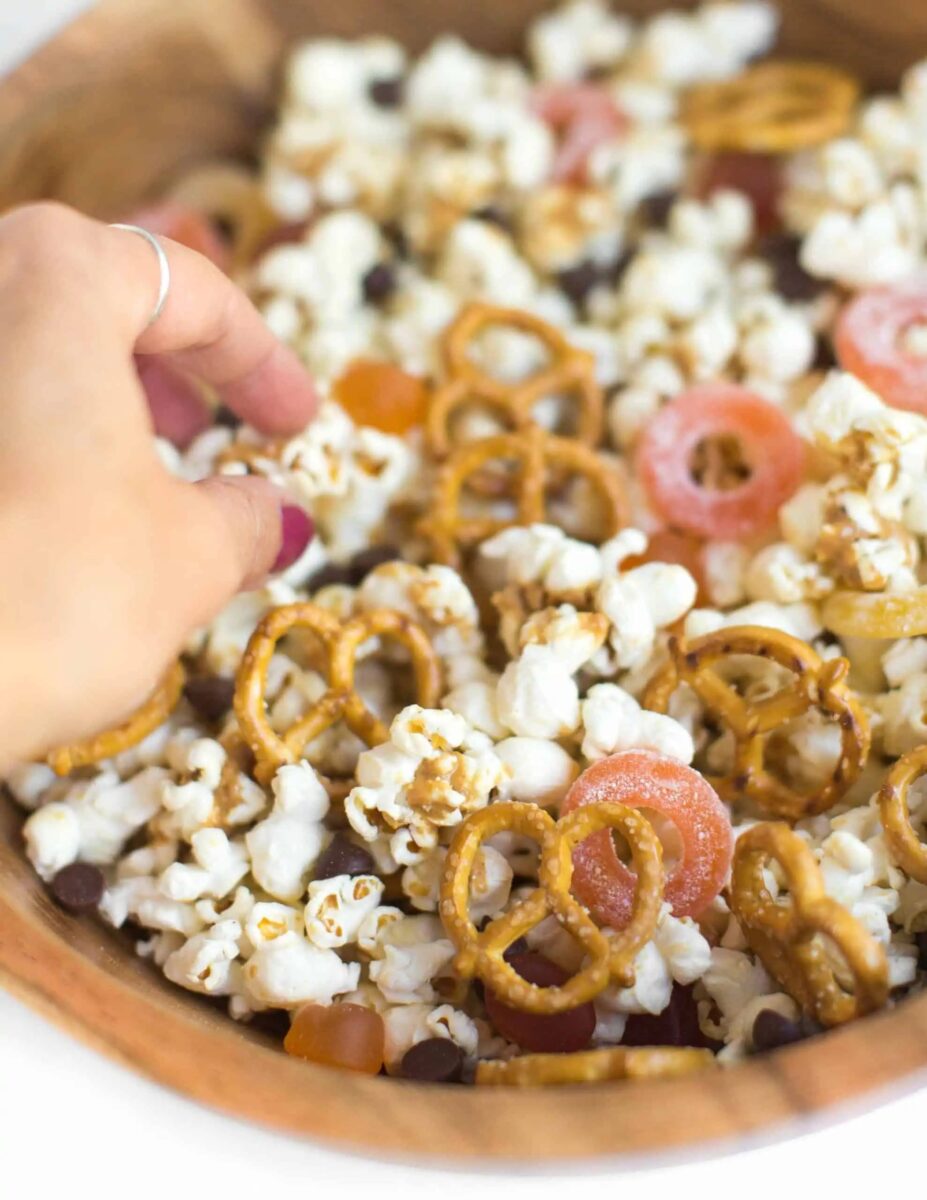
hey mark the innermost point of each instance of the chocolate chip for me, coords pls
(772, 1030)
(344, 857)
(437, 1060)
(577, 282)
(790, 279)
(78, 887)
(226, 418)
(387, 93)
(379, 283)
(274, 1022)
(365, 560)
(921, 940)
(493, 215)
(210, 695)
(656, 208)
(824, 357)
(331, 575)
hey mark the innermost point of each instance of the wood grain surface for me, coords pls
(104, 116)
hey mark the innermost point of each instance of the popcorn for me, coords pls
(338, 907)
(206, 962)
(641, 601)
(289, 971)
(571, 42)
(490, 883)
(678, 951)
(414, 952)
(614, 721)
(284, 846)
(220, 864)
(537, 771)
(407, 1025)
(432, 772)
(537, 696)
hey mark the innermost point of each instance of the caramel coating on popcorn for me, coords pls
(610, 954)
(134, 729)
(568, 371)
(786, 935)
(771, 108)
(340, 643)
(594, 1066)
(816, 684)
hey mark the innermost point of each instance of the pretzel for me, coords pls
(771, 108)
(134, 729)
(568, 370)
(876, 614)
(340, 643)
(818, 684)
(904, 845)
(785, 934)
(535, 453)
(611, 953)
(228, 191)
(594, 1066)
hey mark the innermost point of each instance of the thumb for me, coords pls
(245, 528)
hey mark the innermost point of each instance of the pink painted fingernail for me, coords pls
(298, 530)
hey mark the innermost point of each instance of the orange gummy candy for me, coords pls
(343, 1035)
(382, 395)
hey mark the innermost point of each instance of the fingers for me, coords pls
(211, 330)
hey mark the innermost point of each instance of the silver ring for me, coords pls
(163, 266)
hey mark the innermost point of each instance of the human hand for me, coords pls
(107, 562)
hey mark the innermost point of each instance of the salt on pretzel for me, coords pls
(340, 642)
(594, 1066)
(786, 935)
(817, 684)
(610, 954)
(904, 845)
(535, 454)
(134, 729)
(568, 371)
(771, 108)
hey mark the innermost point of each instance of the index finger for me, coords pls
(211, 329)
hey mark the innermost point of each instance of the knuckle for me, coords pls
(45, 236)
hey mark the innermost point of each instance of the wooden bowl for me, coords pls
(106, 114)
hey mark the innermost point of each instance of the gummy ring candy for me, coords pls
(228, 193)
(904, 845)
(758, 176)
(541, 1033)
(785, 934)
(876, 614)
(869, 337)
(771, 108)
(815, 684)
(609, 954)
(645, 779)
(585, 116)
(568, 371)
(134, 729)
(720, 417)
(340, 643)
(535, 453)
(381, 395)
(593, 1066)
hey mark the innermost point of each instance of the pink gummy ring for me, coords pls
(868, 341)
(584, 115)
(645, 779)
(768, 445)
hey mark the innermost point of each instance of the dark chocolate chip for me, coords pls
(343, 857)
(210, 695)
(921, 940)
(656, 208)
(274, 1022)
(824, 356)
(331, 575)
(493, 215)
(226, 418)
(437, 1060)
(365, 560)
(577, 282)
(78, 887)
(387, 93)
(772, 1030)
(379, 283)
(790, 279)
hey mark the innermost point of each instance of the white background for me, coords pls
(73, 1124)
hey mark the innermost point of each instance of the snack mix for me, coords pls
(587, 740)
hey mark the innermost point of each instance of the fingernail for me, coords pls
(297, 530)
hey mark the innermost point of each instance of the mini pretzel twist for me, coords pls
(341, 702)
(134, 729)
(594, 1066)
(771, 108)
(904, 844)
(817, 684)
(535, 454)
(610, 954)
(786, 935)
(568, 371)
